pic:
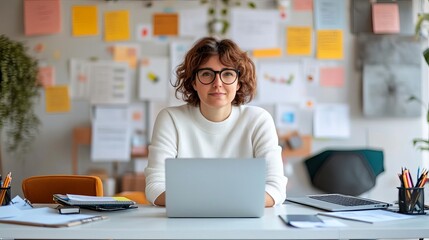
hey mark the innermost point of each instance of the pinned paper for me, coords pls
(385, 18)
(267, 53)
(332, 76)
(329, 44)
(127, 53)
(42, 17)
(329, 14)
(84, 21)
(57, 99)
(46, 76)
(284, 7)
(298, 41)
(165, 24)
(144, 32)
(116, 26)
(303, 5)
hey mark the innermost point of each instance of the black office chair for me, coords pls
(350, 172)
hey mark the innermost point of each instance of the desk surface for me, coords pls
(148, 222)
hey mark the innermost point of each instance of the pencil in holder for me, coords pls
(411, 200)
(5, 196)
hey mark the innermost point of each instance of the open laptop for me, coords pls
(338, 202)
(215, 187)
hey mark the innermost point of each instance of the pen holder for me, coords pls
(411, 200)
(5, 195)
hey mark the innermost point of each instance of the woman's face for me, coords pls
(216, 95)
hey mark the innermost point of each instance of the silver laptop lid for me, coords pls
(338, 202)
(215, 187)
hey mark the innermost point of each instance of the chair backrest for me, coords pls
(39, 189)
(350, 172)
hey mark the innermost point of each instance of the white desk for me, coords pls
(149, 222)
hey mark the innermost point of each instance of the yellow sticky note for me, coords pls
(57, 99)
(116, 26)
(165, 24)
(267, 52)
(329, 44)
(84, 20)
(298, 41)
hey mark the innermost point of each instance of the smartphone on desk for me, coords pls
(289, 218)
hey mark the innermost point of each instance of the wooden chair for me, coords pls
(39, 189)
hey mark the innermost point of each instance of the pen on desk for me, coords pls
(27, 202)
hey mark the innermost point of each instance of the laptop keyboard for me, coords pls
(343, 200)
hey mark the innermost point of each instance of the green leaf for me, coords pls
(224, 12)
(426, 55)
(211, 11)
(251, 5)
(420, 19)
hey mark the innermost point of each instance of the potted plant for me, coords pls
(18, 90)
(421, 143)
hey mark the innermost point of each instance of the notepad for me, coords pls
(49, 217)
(95, 203)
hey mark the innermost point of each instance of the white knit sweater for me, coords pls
(249, 132)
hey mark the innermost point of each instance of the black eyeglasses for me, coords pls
(227, 75)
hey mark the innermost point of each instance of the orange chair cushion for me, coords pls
(39, 189)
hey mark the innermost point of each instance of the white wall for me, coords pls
(51, 153)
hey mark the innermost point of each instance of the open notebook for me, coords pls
(338, 202)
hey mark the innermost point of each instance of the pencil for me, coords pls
(6, 184)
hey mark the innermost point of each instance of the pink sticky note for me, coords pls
(385, 18)
(303, 5)
(42, 17)
(332, 76)
(46, 76)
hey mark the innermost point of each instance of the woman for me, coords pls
(215, 79)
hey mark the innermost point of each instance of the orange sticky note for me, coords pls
(298, 40)
(42, 17)
(332, 76)
(267, 52)
(57, 99)
(125, 54)
(116, 26)
(385, 18)
(165, 24)
(84, 20)
(329, 44)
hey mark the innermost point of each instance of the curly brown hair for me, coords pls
(229, 55)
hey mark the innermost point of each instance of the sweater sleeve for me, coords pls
(163, 145)
(265, 142)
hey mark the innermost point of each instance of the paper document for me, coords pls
(369, 216)
(48, 217)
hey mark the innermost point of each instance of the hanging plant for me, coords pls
(18, 90)
(219, 22)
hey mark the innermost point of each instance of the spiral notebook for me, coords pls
(95, 203)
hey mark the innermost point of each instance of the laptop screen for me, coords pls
(215, 187)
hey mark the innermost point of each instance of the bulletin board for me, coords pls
(309, 60)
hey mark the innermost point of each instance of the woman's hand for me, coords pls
(160, 200)
(269, 201)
